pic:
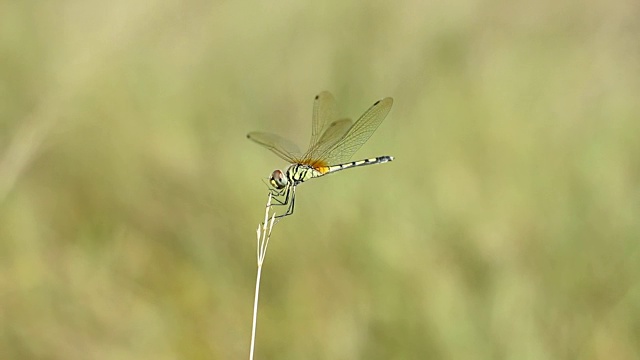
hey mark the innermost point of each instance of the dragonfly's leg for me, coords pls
(281, 197)
(291, 200)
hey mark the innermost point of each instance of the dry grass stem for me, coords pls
(263, 234)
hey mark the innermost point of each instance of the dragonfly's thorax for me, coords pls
(298, 173)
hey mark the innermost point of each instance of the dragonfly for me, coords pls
(333, 143)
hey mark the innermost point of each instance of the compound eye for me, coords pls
(278, 180)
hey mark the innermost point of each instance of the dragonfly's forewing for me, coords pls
(334, 132)
(282, 147)
(324, 113)
(332, 141)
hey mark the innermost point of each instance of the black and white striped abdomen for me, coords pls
(371, 161)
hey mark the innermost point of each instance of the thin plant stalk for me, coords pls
(263, 235)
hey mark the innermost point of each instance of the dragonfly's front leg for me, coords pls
(280, 196)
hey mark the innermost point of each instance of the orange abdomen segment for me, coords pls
(319, 165)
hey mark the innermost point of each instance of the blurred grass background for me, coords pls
(506, 228)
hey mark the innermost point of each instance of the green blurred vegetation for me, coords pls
(506, 228)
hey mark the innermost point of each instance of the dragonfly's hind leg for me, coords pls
(289, 198)
(292, 200)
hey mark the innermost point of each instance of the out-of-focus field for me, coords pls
(508, 227)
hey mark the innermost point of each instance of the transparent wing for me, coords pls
(329, 138)
(358, 134)
(282, 147)
(324, 113)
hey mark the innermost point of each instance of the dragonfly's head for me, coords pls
(278, 180)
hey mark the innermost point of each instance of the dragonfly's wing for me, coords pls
(324, 113)
(358, 134)
(330, 137)
(282, 147)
